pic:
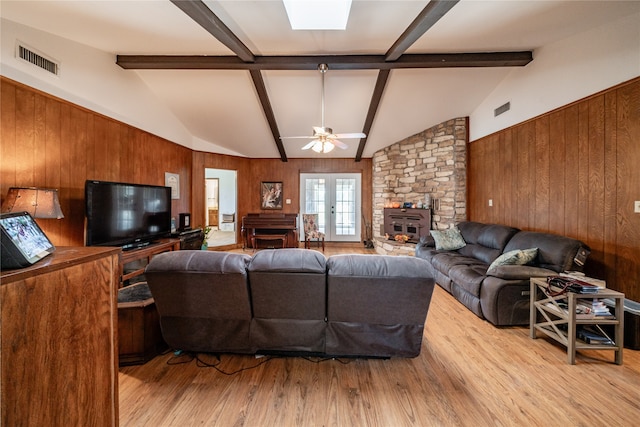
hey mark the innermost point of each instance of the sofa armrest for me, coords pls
(520, 272)
(427, 242)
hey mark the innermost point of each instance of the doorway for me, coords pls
(336, 198)
(220, 206)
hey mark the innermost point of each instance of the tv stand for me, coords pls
(134, 261)
(134, 246)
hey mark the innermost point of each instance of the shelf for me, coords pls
(562, 324)
(134, 262)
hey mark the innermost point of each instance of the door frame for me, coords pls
(330, 235)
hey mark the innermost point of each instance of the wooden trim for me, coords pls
(381, 83)
(258, 82)
(431, 14)
(200, 13)
(335, 62)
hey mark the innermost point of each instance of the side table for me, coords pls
(561, 324)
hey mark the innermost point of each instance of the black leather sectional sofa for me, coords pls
(291, 301)
(500, 294)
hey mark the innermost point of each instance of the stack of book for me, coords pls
(585, 309)
(595, 307)
(594, 335)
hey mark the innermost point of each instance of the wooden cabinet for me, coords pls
(59, 351)
(134, 262)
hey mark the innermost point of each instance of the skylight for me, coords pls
(318, 14)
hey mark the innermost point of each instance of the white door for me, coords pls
(336, 199)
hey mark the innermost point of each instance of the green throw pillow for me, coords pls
(448, 240)
(515, 257)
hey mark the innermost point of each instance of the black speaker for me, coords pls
(184, 222)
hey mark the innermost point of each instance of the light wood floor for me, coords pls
(469, 373)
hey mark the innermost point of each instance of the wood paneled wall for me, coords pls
(251, 173)
(48, 142)
(574, 171)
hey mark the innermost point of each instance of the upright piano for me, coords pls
(261, 224)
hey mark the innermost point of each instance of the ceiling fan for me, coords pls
(324, 140)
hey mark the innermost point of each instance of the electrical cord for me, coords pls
(179, 357)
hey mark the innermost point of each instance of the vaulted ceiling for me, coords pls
(239, 78)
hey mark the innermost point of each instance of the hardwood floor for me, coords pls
(469, 373)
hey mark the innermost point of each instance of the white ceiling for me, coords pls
(222, 108)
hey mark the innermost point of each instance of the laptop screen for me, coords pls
(23, 241)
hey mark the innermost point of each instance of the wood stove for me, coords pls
(413, 223)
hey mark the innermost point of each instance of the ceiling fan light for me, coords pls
(328, 146)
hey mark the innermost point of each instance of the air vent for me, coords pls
(502, 109)
(37, 59)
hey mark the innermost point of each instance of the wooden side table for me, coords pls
(561, 325)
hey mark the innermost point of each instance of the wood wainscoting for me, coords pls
(573, 171)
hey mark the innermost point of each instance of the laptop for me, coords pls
(23, 241)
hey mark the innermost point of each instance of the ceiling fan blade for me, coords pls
(296, 137)
(351, 135)
(339, 144)
(311, 144)
(321, 131)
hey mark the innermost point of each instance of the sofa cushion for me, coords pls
(448, 240)
(554, 252)
(288, 284)
(288, 260)
(470, 231)
(445, 261)
(202, 299)
(469, 277)
(514, 257)
(397, 289)
(485, 241)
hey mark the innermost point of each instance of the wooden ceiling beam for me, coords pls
(261, 89)
(199, 12)
(335, 62)
(381, 83)
(431, 14)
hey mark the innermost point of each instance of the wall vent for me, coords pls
(502, 109)
(27, 54)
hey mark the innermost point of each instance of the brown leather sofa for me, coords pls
(499, 295)
(291, 301)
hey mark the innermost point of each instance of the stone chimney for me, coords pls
(433, 163)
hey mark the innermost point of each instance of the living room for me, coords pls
(564, 164)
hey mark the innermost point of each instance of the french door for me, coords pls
(336, 198)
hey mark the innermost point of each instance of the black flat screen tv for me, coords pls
(126, 215)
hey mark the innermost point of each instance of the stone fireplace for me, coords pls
(431, 164)
(413, 223)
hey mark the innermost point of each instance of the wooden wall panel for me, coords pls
(47, 142)
(627, 265)
(557, 172)
(573, 171)
(251, 173)
(541, 175)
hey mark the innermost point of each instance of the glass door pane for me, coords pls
(336, 200)
(315, 200)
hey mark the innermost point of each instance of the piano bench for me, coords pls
(256, 237)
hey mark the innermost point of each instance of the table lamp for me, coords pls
(39, 202)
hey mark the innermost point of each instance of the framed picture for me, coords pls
(271, 195)
(173, 180)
